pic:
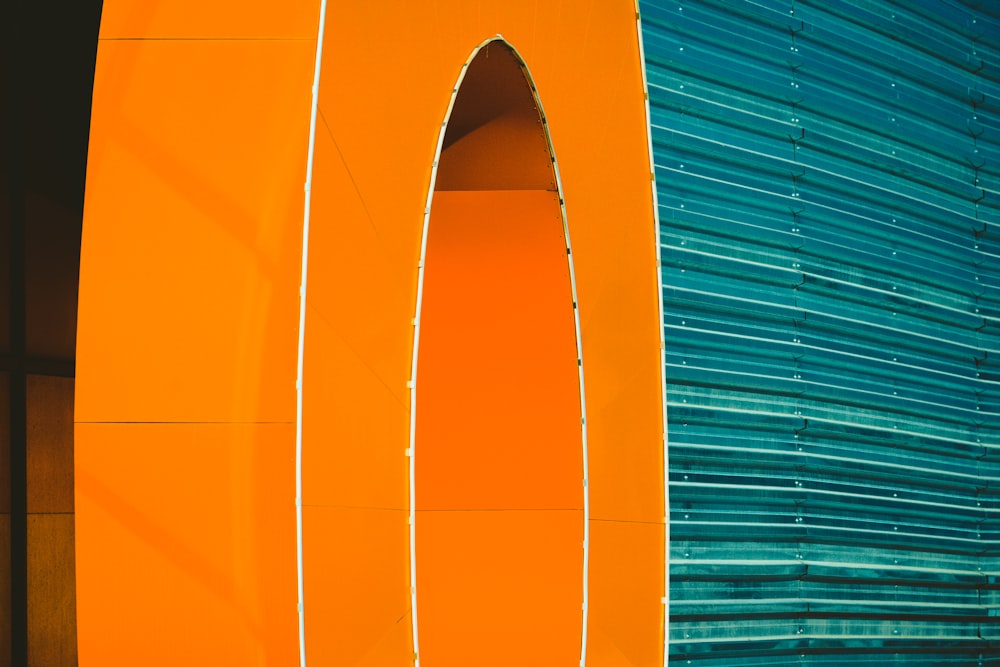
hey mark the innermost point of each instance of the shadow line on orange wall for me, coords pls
(165, 544)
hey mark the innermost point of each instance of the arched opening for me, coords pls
(498, 447)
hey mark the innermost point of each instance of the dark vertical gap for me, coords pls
(15, 141)
(18, 447)
(47, 62)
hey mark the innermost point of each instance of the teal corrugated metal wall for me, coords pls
(829, 185)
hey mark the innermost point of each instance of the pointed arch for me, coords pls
(498, 446)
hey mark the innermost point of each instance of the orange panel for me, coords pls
(498, 429)
(503, 588)
(610, 400)
(498, 417)
(355, 566)
(360, 420)
(626, 615)
(361, 297)
(586, 66)
(598, 127)
(188, 313)
(192, 230)
(185, 551)
(189, 19)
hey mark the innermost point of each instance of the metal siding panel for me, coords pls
(829, 186)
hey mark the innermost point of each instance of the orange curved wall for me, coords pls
(186, 351)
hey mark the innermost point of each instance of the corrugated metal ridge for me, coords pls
(829, 192)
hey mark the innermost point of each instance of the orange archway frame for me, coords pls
(185, 414)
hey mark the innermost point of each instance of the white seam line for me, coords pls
(663, 344)
(412, 384)
(578, 332)
(300, 574)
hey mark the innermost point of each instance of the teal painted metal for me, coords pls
(829, 184)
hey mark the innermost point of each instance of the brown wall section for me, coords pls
(51, 590)
(50, 444)
(5, 552)
(51, 567)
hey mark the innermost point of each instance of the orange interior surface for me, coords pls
(499, 588)
(498, 429)
(187, 327)
(498, 411)
(498, 443)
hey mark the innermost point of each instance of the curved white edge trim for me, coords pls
(411, 452)
(579, 356)
(314, 111)
(412, 384)
(663, 342)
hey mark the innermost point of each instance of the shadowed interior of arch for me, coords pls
(498, 467)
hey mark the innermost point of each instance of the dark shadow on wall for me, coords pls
(495, 139)
(46, 83)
